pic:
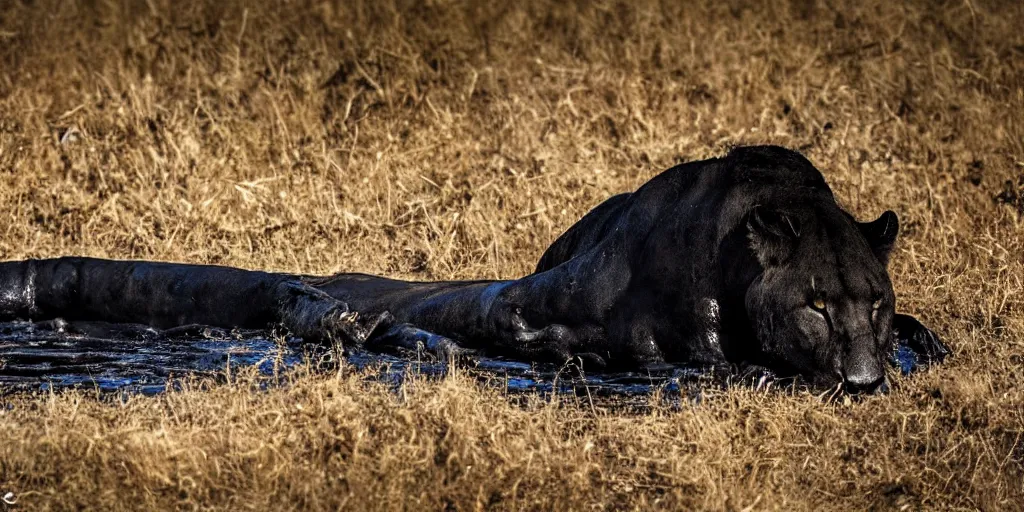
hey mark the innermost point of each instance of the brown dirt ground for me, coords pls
(455, 139)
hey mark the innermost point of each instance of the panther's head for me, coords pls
(823, 305)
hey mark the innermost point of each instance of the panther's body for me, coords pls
(745, 259)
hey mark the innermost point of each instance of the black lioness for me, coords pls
(745, 259)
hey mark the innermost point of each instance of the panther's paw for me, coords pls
(922, 340)
(352, 327)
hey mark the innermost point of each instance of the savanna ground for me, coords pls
(448, 139)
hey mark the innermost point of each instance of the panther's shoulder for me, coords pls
(755, 170)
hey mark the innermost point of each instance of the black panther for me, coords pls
(745, 260)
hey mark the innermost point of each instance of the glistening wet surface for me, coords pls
(138, 359)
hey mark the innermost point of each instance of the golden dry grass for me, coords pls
(456, 139)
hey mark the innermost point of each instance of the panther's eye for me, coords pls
(818, 304)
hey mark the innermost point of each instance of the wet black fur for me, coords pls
(709, 262)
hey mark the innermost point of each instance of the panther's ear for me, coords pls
(772, 235)
(881, 234)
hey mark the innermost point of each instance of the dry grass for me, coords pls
(447, 139)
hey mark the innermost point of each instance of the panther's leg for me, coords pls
(166, 295)
(633, 336)
(527, 319)
(922, 340)
(479, 315)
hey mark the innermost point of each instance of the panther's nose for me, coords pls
(869, 383)
(863, 372)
